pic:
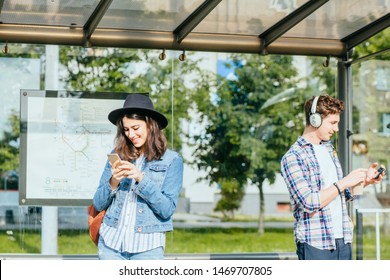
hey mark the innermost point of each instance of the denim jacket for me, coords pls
(157, 193)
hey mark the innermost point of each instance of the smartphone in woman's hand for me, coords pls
(113, 158)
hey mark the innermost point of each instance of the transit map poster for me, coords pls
(65, 138)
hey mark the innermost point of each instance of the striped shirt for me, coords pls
(125, 238)
(301, 172)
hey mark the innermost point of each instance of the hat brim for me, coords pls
(119, 113)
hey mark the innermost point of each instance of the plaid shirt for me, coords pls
(301, 172)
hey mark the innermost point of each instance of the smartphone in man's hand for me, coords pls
(380, 170)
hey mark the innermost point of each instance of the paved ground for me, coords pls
(70, 219)
(185, 220)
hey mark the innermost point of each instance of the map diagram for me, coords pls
(67, 142)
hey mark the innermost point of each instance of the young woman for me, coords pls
(140, 190)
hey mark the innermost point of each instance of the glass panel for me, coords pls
(371, 143)
(337, 19)
(188, 92)
(251, 105)
(159, 15)
(246, 17)
(42, 12)
(73, 127)
(371, 138)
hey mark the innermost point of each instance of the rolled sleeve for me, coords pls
(302, 188)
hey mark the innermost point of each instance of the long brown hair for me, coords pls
(154, 147)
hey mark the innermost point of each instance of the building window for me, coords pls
(283, 207)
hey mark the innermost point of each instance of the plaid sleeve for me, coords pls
(301, 182)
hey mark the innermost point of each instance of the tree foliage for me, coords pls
(9, 151)
(245, 136)
(377, 43)
(9, 137)
(231, 196)
(168, 82)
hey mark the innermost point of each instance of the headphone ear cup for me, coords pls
(315, 120)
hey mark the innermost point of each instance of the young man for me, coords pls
(318, 190)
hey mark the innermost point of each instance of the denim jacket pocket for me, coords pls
(157, 173)
(158, 167)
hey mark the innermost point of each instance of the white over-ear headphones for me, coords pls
(315, 118)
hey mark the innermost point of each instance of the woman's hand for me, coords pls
(134, 173)
(122, 169)
(118, 172)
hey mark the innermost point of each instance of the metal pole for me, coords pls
(49, 237)
(344, 75)
(344, 89)
(359, 235)
(377, 235)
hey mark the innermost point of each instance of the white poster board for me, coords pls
(65, 139)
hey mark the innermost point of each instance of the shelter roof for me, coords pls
(296, 27)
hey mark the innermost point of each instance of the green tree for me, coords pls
(324, 78)
(231, 196)
(98, 69)
(245, 135)
(172, 85)
(9, 150)
(9, 141)
(377, 43)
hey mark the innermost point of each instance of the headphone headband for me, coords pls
(314, 105)
(315, 118)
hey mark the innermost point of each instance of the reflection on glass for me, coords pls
(371, 142)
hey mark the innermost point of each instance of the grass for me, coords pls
(184, 241)
(232, 240)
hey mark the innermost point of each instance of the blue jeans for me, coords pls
(106, 253)
(343, 252)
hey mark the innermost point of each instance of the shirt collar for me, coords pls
(303, 142)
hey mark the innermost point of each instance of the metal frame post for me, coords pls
(359, 235)
(344, 91)
(344, 79)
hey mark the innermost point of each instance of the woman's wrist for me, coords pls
(113, 183)
(140, 177)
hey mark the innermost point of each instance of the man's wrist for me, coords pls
(337, 187)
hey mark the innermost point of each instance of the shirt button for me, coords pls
(140, 210)
(139, 229)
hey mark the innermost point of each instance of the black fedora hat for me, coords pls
(138, 103)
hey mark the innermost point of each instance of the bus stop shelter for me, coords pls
(323, 28)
